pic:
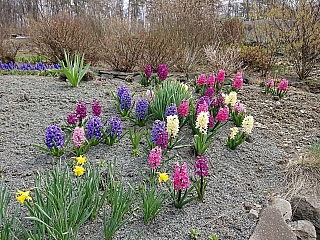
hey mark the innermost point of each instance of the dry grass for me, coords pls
(303, 174)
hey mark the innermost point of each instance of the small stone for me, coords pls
(283, 206)
(276, 98)
(253, 214)
(304, 230)
(247, 206)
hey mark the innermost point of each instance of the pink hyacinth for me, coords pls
(221, 76)
(270, 83)
(150, 95)
(210, 80)
(78, 137)
(211, 121)
(180, 177)
(202, 80)
(237, 81)
(239, 107)
(183, 109)
(283, 85)
(155, 157)
(223, 114)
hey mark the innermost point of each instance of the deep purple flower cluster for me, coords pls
(125, 101)
(81, 111)
(54, 137)
(142, 109)
(72, 118)
(94, 126)
(209, 93)
(96, 108)
(158, 126)
(162, 141)
(163, 71)
(28, 66)
(202, 100)
(218, 101)
(201, 167)
(171, 110)
(148, 71)
(114, 127)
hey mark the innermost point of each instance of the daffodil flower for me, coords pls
(23, 196)
(81, 160)
(163, 177)
(78, 171)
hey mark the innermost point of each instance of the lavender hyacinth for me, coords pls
(114, 127)
(157, 127)
(171, 110)
(81, 111)
(142, 109)
(163, 71)
(94, 126)
(125, 101)
(54, 137)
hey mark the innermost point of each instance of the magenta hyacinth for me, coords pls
(221, 76)
(155, 157)
(237, 81)
(202, 108)
(211, 121)
(183, 109)
(210, 80)
(148, 71)
(202, 80)
(163, 72)
(223, 114)
(180, 177)
(163, 138)
(283, 85)
(78, 137)
(201, 167)
(81, 111)
(209, 93)
(96, 108)
(72, 118)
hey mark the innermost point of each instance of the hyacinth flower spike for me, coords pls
(114, 132)
(124, 102)
(141, 114)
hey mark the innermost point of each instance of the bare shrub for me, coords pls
(51, 35)
(226, 58)
(122, 47)
(9, 47)
(232, 31)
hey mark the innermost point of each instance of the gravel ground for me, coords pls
(239, 180)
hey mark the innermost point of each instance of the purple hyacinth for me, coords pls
(96, 108)
(81, 111)
(148, 71)
(94, 126)
(121, 90)
(54, 137)
(218, 101)
(209, 93)
(125, 101)
(162, 141)
(157, 127)
(163, 72)
(202, 100)
(171, 110)
(201, 167)
(142, 109)
(114, 127)
(72, 118)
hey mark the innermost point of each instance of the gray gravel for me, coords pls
(238, 180)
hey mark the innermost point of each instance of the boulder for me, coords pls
(271, 226)
(304, 230)
(307, 208)
(283, 206)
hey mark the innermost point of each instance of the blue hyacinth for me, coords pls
(125, 101)
(142, 109)
(157, 127)
(94, 126)
(54, 137)
(121, 90)
(114, 127)
(171, 110)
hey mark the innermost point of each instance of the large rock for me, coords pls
(304, 230)
(307, 208)
(283, 206)
(271, 226)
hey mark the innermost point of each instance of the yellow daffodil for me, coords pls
(163, 177)
(23, 196)
(78, 171)
(81, 160)
(234, 132)
(247, 124)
